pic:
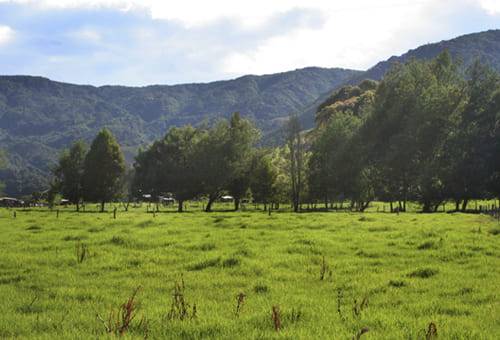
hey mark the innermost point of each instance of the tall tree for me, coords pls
(222, 158)
(295, 143)
(469, 146)
(263, 178)
(69, 173)
(242, 137)
(416, 107)
(103, 168)
(168, 166)
(3, 164)
(212, 162)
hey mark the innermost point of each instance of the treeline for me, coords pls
(429, 132)
(188, 163)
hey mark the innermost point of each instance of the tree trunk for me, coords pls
(236, 204)
(77, 206)
(211, 200)
(390, 205)
(457, 205)
(180, 206)
(363, 206)
(464, 204)
(427, 207)
(102, 206)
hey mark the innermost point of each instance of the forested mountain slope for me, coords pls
(484, 46)
(39, 117)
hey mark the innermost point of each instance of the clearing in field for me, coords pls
(249, 275)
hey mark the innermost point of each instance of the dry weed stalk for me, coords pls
(276, 317)
(119, 322)
(240, 301)
(357, 308)
(82, 252)
(179, 309)
(360, 333)
(431, 331)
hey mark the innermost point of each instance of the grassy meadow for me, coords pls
(326, 275)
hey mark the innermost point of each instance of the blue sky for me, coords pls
(132, 42)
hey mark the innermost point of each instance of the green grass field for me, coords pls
(390, 274)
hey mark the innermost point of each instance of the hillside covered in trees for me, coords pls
(465, 50)
(428, 133)
(39, 117)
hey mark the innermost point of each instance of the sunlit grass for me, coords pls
(412, 269)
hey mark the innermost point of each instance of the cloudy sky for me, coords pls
(139, 42)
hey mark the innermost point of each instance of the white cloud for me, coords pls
(492, 6)
(6, 34)
(226, 38)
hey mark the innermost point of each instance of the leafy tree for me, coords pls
(168, 166)
(69, 173)
(470, 145)
(337, 169)
(242, 137)
(222, 158)
(493, 111)
(263, 178)
(103, 168)
(212, 162)
(296, 161)
(3, 164)
(416, 106)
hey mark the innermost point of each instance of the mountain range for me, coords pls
(40, 117)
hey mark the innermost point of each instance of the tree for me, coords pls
(263, 178)
(211, 162)
(416, 107)
(222, 158)
(470, 144)
(3, 164)
(242, 137)
(103, 168)
(296, 162)
(169, 166)
(69, 173)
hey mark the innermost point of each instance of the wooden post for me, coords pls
(114, 213)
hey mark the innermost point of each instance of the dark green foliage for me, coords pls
(40, 117)
(103, 168)
(263, 178)
(484, 46)
(428, 134)
(168, 166)
(69, 173)
(3, 164)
